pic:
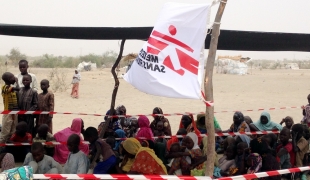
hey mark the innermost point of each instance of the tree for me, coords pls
(15, 56)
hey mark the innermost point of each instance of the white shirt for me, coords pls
(33, 85)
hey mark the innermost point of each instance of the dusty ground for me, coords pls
(261, 89)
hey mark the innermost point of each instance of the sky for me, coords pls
(247, 15)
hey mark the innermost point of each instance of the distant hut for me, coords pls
(129, 58)
(293, 66)
(232, 65)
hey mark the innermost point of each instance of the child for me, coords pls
(40, 163)
(242, 152)
(23, 68)
(101, 152)
(20, 136)
(115, 169)
(45, 103)
(27, 101)
(9, 121)
(306, 112)
(289, 122)
(254, 163)
(159, 130)
(300, 146)
(77, 162)
(227, 163)
(44, 136)
(285, 153)
(174, 148)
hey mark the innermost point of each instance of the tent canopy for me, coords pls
(228, 40)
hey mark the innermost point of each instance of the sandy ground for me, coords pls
(261, 89)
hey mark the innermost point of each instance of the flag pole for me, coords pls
(209, 89)
(115, 88)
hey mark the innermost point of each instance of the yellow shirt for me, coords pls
(9, 98)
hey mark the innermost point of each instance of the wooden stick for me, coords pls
(115, 88)
(209, 89)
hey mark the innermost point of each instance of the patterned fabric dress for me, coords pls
(46, 103)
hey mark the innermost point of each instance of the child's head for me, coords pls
(21, 129)
(175, 147)
(285, 135)
(111, 141)
(288, 121)
(188, 142)
(43, 130)
(241, 147)
(230, 152)
(160, 126)
(37, 151)
(147, 143)
(248, 120)
(308, 97)
(23, 66)
(91, 134)
(45, 84)
(298, 129)
(73, 143)
(8, 78)
(27, 79)
(182, 132)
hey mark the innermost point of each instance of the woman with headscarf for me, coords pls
(167, 128)
(61, 151)
(201, 124)
(191, 158)
(145, 131)
(239, 124)
(265, 123)
(75, 84)
(140, 160)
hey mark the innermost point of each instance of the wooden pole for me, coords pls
(115, 87)
(209, 89)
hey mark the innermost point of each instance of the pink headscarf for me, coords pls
(145, 130)
(61, 151)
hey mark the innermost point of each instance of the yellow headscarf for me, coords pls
(152, 153)
(131, 145)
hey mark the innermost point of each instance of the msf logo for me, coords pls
(185, 61)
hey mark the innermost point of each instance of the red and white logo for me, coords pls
(156, 45)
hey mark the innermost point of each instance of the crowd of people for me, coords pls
(128, 145)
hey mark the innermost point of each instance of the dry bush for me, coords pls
(58, 81)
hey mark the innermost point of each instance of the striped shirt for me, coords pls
(9, 98)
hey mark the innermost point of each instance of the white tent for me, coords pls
(227, 65)
(86, 66)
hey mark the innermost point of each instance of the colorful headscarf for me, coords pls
(121, 134)
(131, 145)
(145, 131)
(256, 163)
(269, 126)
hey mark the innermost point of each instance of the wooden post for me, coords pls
(115, 87)
(209, 89)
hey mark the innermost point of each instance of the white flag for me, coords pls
(169, 63)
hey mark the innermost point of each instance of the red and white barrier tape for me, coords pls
(117, 177)
(166, 177)
(171, 114)
(166, 137)
(266, 174)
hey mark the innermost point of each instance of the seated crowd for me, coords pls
(129, 147)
